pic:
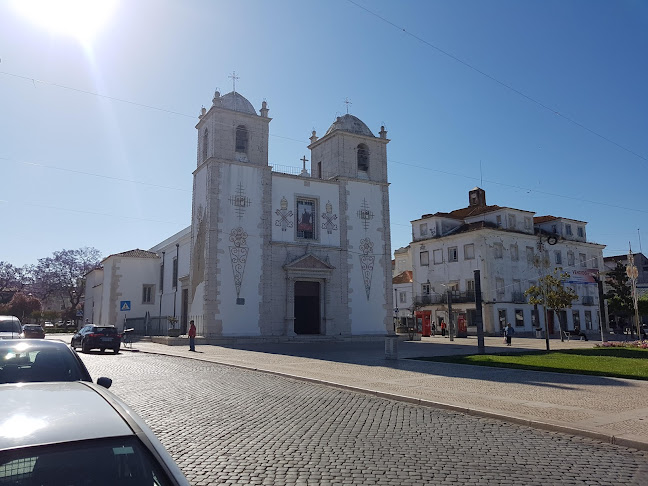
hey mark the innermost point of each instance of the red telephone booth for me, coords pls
(462, 328)
(424, 318)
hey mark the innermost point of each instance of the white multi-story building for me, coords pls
(505, 245)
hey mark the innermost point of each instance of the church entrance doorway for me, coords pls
(307, 307)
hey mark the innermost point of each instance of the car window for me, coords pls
(121, 460)
(10, 326)
(108, 331)
(31, 365)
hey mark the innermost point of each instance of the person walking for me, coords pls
(508, 332)
(443, 328)
(192, 336)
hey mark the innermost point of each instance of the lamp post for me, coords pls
(633, 274)
(395, 308)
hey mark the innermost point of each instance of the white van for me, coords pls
(10, 327)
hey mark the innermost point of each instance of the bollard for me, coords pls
(391, 346)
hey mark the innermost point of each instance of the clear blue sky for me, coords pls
(569, 139)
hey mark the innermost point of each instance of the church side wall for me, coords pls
(198, 245)
(368, 290)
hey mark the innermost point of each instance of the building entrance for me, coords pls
(307, 307)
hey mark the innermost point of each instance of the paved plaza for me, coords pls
(229, 425)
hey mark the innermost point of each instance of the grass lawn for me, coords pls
(617, 362)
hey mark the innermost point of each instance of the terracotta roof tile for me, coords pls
(404, 277)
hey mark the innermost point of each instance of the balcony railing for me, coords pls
(436, 298)
(588, 300)
(518, 297)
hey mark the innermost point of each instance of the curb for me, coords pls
(536, 424)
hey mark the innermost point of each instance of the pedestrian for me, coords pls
(192, 335)
(433, 328)
(508, 332)
(443, 328)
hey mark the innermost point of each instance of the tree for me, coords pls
(21, 305)
(619, 297)
(552, 293)
(13, 278)
(63, 275)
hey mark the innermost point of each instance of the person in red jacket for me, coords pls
(192, 336)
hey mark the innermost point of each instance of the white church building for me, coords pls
(267, 253)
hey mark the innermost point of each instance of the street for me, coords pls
(227, 425)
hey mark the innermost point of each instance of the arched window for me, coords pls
(363, 157)
(241, 139)
(205, 144)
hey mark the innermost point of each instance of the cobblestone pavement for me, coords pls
(225, 425)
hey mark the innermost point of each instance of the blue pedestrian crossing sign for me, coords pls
(124, 305)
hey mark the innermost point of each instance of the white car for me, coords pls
(77, 433)
(10, 327)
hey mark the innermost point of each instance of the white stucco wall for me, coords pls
(197, 282)
(172, 292)
(240, 181)
(367, 312)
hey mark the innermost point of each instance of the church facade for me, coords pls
(278, 254)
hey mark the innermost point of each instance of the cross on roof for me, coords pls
(233, 77)
(347, 102)
(304, 160)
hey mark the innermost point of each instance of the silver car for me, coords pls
(10, 327)
(77, 433)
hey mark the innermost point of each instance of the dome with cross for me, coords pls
(350, 123)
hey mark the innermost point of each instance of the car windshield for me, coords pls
(22, 364)
(109, 331)
(120, 460)
(10, 326)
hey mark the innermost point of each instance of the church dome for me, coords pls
(350, 123)
(236, 102)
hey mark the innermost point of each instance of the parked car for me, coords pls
(32, 331)
(49, 324)
(29, 360)
(10, 327)
(97, 337)
(74, 434)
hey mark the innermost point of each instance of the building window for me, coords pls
(148, 294)
(515, 256)
(306, 216)
(241, 139)
(423, 229)
(511, 221)
(582, 258)
(581, 231)
(499, 250)
(205, 144)
(595, 262)
(401, 265)
(175, 273)
(570, 258)
(469, 251)
(470, 285)
(530, 255)
(554, 229)
(453, 254)
(527, 223)
(588, 319)
(576, 319)
(498, 220)
(425, 289)
(499, 287)
(424, 258)
(319, 170)
(363, 157)
(501, 314)
(438, 256)
(568, 230)
(519, 318)
(402, 297)
(558, 257)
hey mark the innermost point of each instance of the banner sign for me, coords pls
(584, 276)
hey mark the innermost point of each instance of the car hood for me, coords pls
(44, 413)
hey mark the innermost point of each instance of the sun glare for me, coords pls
(81, 19)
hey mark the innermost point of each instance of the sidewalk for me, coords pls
(613, 410)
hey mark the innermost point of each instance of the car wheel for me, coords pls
(102, 349)
(116, 350)
(72, 345)
(84, 347)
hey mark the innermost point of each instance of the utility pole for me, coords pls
(543, 286)
(450, 324)
(599, 284)
(481, 349)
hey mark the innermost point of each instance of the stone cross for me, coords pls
(233, 77)
(304, 160)
(347, 103)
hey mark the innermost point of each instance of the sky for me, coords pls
(543, 104)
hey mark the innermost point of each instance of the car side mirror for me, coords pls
(105, 382)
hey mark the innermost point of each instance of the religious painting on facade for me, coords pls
(306, 218)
